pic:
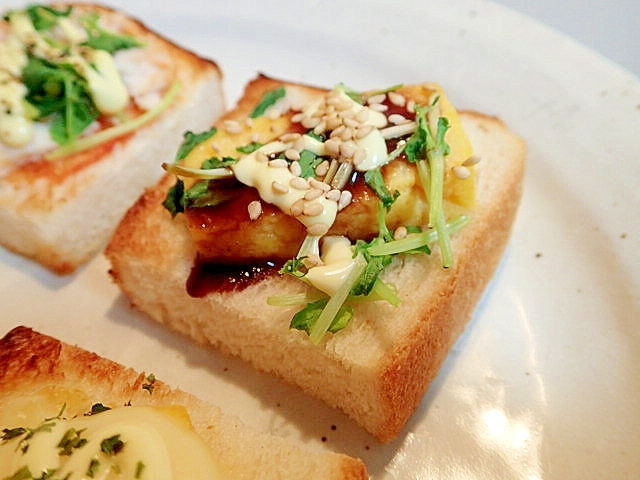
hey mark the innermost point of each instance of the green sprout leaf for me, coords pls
(269, 99)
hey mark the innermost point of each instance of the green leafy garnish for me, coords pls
(269, 99)
(249, 148)
(375, 180)
(174, 199)
(72, 439)
(116, 131)
(428, 151)
(9, 433)
(140, 466)
(21, 474)
(150, 383)
(98, 408)
(307, 318)
(309, 161)
(112, 445)
(59, 92)
(190, 140)
(101, 39)
(94, 464)
(44, 17)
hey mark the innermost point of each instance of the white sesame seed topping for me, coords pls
(345, 199)
(461, 172)
(261, 157)
(378, 107)
(292, 154)
(363, 131)
(296, 207)
(312, 209)
(333, 195)
(397, 119)
(299, 183)
(397, 99)
(279, 187)
(295, 168)
(314, 183)
(313, 193)
(255, 209)
(400, 233)
(290, 137)
(376, 99)
(322, 169)
(278, 163)
(232, 126)
(472, 160)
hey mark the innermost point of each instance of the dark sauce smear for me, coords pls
(209, 277)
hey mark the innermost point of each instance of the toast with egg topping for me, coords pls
(69, 413)
(337, 239)
(92, 101)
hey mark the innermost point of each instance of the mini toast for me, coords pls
(102, 415)
(358, 300)
(93, 102)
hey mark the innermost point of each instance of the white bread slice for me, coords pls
(62, 212)
(378, 368)
(50, 372)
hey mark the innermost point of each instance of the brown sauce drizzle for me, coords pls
(206, 278)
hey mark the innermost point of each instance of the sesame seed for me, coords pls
(378, 107)
(348, 149)
(351, 122)
(274, 113)
(320, 128)
(318, 229)
(322, 169)
(299, 183)
(232, 126)
(255, 136)
(215, 147)
(299, 144)
(345, 199)
(347, 134)
(397, 119)
(461, 172)
(400, 232)
(472, 160)
(332, 147)
(292, 154)
(337, 132)
(279, 187)
(248, 122)
(313, 193)
(312, 209)
(314, 183)
(295, 168)
(310, 122)
(290, 137)
(411, 106)
(278, 163)
(375, 99)
(397, 99)
(297, 207)
(333, 122)
(363, 131)
(255, 209)
(298, 117)
(261, 157)
(333, 195)
(363, 115)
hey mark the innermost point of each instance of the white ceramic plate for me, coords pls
(545, 382)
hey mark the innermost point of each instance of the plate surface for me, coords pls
(545, 382)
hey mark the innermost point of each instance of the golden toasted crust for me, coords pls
(44, 204)
(378, 368)
(39, 366)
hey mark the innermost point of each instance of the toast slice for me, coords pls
(60, 204)
(39, 375)
(378, 367)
